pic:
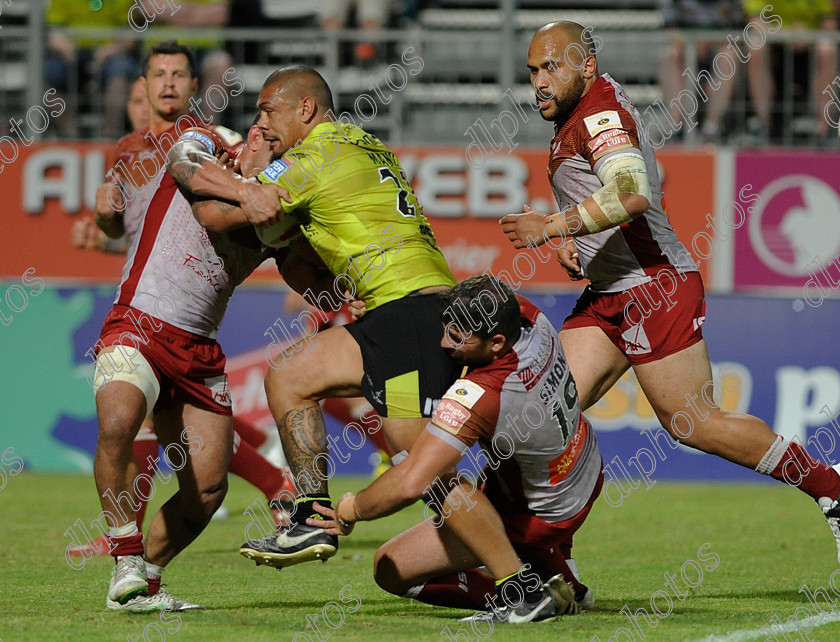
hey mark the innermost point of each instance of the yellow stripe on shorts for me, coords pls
(402, 395)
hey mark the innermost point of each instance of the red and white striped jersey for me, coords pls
(176, 271)
(524, 410)
(603, 124)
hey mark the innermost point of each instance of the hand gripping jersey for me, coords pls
(524, 410)
(359, 213)
(175, 270)
(603, 124)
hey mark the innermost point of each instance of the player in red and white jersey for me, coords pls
(645, 305)
(604, 130)
(157, 350)
(540, 464)
(246, 461)
(161, 233)
(523, 408)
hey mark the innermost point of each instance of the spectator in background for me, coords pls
(213, 59)
(697, 15)
(371, 15)
(137, 108)
(412, 8)
(796, 15)
(68, 63)
(246, 13)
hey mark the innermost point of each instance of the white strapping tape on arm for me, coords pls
(621, 174)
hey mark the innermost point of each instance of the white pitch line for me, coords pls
(749, 634)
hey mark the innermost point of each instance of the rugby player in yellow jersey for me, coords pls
(359, 214)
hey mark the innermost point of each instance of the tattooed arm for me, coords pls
(198, 173)
(216, 216)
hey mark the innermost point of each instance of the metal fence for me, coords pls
(467, 75)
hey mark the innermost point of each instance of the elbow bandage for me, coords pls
(620, 174)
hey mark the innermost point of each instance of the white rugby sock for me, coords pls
(123, 531)
(153, 571)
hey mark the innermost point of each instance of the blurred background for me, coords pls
(742, 98)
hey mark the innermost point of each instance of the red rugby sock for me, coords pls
(128, 545)
(255, 469)
(797, 468)
(464, 590)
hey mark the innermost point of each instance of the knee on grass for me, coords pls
(386, 573)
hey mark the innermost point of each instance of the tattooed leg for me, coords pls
(329, 366)
(304, 437)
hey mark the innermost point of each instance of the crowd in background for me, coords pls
(101, 72)
(764, 65)
(111, 66)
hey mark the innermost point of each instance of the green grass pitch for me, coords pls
(770, 541)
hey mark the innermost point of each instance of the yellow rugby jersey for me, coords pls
(359, 213)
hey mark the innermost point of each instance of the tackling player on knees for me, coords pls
(542, 470)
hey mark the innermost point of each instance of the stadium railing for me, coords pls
(471, 68)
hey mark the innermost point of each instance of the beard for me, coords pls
(565, 105)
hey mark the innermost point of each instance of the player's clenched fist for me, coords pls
(357, 306)
(525, 229)
(109, 198)
(261, 204)
(86, 235)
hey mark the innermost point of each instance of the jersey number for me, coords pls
(401, 181)
(569, 395)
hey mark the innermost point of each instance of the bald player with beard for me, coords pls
(604, 176)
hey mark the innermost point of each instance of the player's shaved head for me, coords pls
(561, 59)
(293, 101)
(567, 33)
(298, 82)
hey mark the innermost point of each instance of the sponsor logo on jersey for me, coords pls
(562, 465)
(696, 323)
(273, 171)
(609, 141)
(530, 374)
(602, 121)
(465, 392)
(450, 416)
